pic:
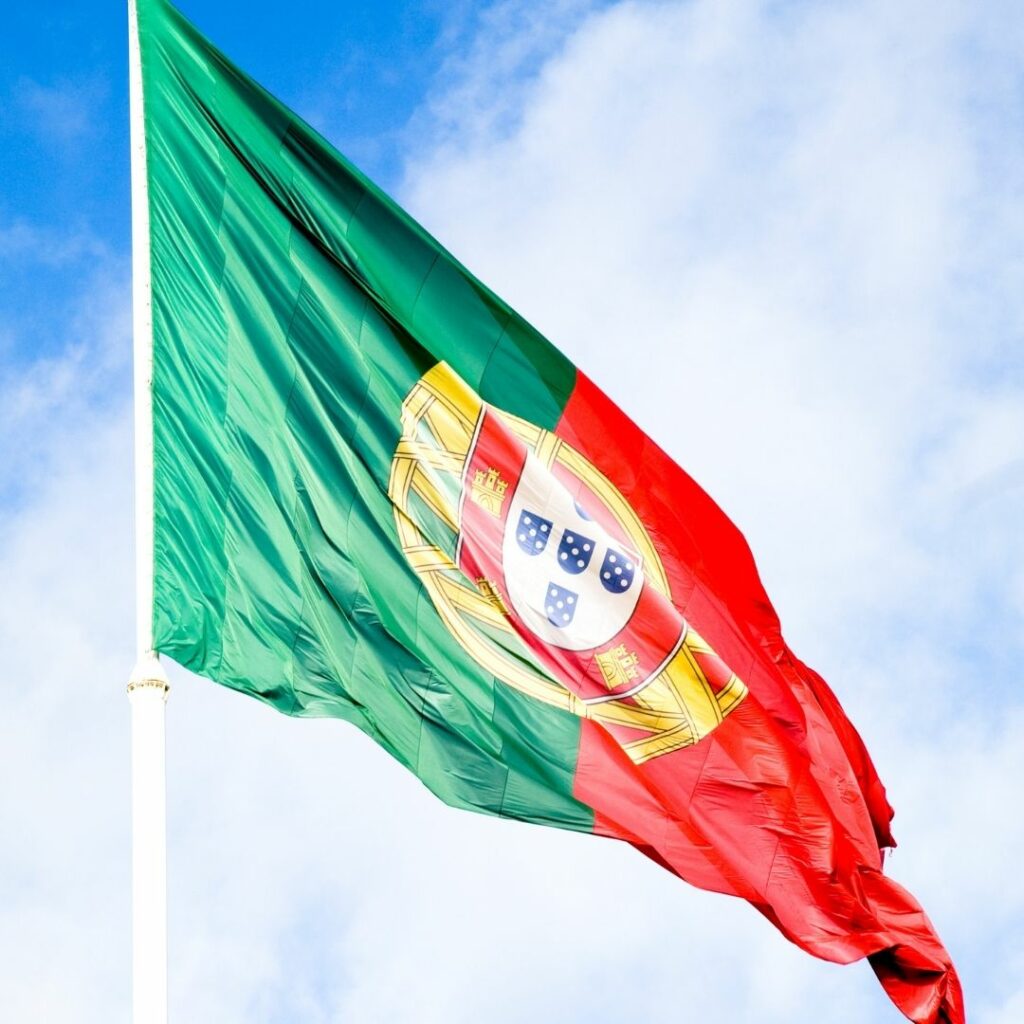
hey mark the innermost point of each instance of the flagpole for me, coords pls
(147, 685)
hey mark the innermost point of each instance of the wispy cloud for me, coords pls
(47, 401)
(62, 112)
(23, 241)
(497, 56)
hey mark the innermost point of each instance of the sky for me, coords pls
(788, 238)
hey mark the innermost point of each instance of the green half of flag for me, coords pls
(295, 307)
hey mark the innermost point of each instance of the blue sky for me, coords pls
(358, 71)
(789, 239)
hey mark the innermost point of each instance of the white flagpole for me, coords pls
(147, 686)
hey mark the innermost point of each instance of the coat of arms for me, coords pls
(512, 530)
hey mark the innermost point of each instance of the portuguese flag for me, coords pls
(380, 495)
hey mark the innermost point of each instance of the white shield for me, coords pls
(554, 556)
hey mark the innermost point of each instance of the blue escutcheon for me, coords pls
(575, 552)
(533, 532)
(617, 572)
(560, 605)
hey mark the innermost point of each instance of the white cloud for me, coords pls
(50, 402)
(22, 240)
(787, 239)
(63, 112)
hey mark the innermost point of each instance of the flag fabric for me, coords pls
(382, 496)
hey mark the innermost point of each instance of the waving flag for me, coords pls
(381, 495)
